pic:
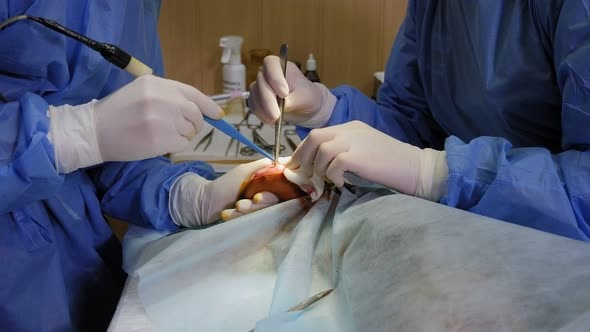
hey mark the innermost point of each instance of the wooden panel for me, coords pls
(351, 42)
(219, 18)
(297, 23)
(351, 39)
(181, 45)
(394, 12)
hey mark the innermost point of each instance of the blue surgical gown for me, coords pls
(504, 88)
(60, 265)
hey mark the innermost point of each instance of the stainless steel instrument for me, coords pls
(309, 301)
(283, 59)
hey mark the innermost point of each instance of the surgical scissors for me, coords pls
(205, 140)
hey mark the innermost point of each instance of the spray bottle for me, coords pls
(311, 69)
(234, 72)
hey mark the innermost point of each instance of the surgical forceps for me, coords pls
(205, 140)
(309, 301)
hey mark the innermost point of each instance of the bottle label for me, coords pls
(229, 86)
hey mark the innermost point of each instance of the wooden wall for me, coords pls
(350, 39)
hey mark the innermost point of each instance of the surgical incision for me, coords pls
(272, 179)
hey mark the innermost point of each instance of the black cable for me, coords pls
(110, 52)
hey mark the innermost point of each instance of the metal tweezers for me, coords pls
(309, 301)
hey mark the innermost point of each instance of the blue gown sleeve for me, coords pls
(401, 110)
(530, 186)
(27, 166)
(138, 192)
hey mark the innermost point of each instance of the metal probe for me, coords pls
(283, 59)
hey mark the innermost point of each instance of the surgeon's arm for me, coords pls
(138, 192)
(401, 110)
(530, 186)
(27, 166)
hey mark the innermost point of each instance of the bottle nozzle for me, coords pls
(232, 46)
(311, 64)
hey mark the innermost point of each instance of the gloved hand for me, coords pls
(245, 206)
(148, 117)
(195, 201)
(358, 148)
(307, 104)
(312, 185)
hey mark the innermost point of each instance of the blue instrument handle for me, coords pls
(232, 132)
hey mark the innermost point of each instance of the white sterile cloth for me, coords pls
(397, 263)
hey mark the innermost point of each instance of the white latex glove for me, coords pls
(148, 117)
(307, 104)
(358, 148)
(245, 206)
(313, 185)
(195, 201)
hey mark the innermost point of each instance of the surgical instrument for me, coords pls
(246, 151)
(283, 59)
(246, 122)
(123, 60)
(229, 145)
(259, 141)
(287, 133)
(205, 140)
(309, 301)
(228, 96)
(231, 142)
(232, 132)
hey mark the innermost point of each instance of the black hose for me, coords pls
(110, 52)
